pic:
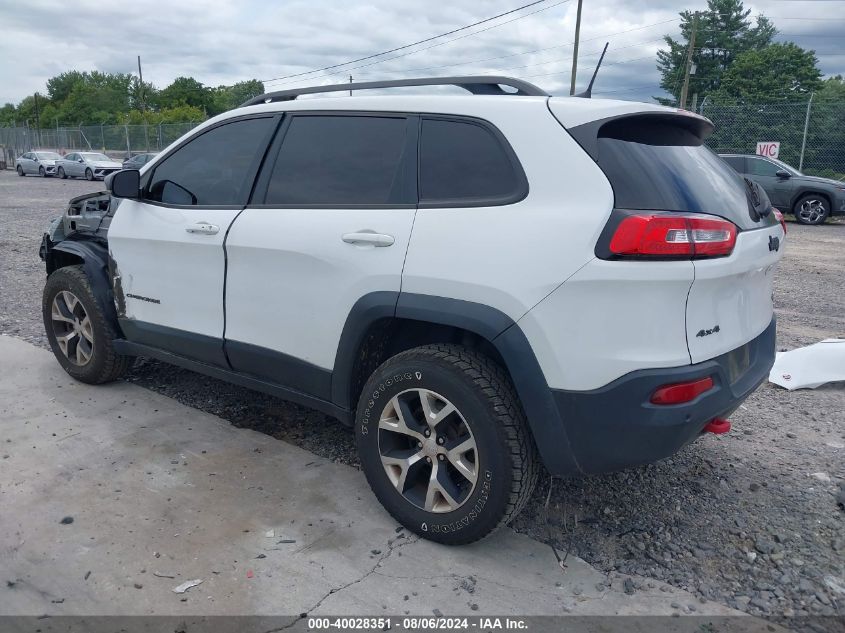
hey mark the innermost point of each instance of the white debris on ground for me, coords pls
(810, 367)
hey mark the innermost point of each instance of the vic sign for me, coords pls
(769, 149)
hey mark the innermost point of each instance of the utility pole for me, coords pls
(37, 122)
(141, 78)
(350, 83)
(806, 127)
(575, 49)
(683, 100)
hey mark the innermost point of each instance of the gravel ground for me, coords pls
(749, 519)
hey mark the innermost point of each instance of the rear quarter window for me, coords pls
(467, 163)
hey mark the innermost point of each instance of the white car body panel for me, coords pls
(159, 259)
(734, 293)
(510, 257)
(292, 280)
(611, 318)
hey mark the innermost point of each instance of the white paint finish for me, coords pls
(292, 280)
(158, 258)
(511, 257)
(611, 318)
(734, 293)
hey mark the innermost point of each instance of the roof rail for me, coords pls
(477, 85)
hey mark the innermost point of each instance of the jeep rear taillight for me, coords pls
(673, 235)
(780, 218)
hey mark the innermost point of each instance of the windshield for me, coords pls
(101, 157)
(47, 155)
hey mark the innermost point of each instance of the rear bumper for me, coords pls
(616, 426)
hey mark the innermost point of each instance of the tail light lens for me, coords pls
(780, 219)
(681, 392)
(673, 235)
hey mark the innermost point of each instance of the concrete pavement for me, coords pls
(160, 494)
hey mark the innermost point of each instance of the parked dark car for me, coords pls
(809, 198)
(139, 160)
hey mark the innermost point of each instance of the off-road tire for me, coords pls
(814, 219)
(62, 173)
(89, 175)
(105, 365)
(506, 457)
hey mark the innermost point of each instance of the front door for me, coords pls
(168, 262)
(336, 203)
(764, 173)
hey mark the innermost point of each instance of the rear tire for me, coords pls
(80, 335)
(89, 175)
(811, 209)
(456, 478)
(20, 171)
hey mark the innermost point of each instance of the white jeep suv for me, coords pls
(478, 284)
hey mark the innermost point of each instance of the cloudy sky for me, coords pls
(220, 42)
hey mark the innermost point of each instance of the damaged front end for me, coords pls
(86, 219)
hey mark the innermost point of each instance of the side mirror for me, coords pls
(782, 173)
(80, 160)
(125, 183)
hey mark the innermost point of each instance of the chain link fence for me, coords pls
(118, 141)
(811, 134)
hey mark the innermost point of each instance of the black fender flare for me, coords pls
(544, 417)
(95, 263)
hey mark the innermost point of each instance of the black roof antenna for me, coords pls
(588, 93)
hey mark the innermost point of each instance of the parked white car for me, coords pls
(475, 283)
(88, 165)
(41, 163)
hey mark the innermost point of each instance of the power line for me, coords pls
(399, 48)
(460, 37)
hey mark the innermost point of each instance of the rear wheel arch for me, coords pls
(384, 324)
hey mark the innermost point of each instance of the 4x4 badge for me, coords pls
(708, 332)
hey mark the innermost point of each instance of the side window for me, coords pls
(330, 159)
(27, 156)
(70, 157)
(462, 162)
(215, 168)
(737, 162)
(760, 167)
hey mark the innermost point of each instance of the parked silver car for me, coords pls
(41, 163)
(139, 160)
(89, 165)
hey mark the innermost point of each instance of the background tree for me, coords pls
(186, 91)
(725, 31)
(775, 73)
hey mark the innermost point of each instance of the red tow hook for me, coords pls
(717, 426)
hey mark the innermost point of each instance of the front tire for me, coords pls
(20, 171)
(444, 443)
(811, 209)
(80, 335)
(89, 175)
(62, 173)
(42, 172)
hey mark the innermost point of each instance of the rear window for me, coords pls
(657, 166)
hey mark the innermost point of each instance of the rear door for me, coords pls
(659, 163)
(167, 247)
(329, 223)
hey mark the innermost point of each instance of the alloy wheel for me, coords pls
(811, 210)
(428, 450)
(72, 328)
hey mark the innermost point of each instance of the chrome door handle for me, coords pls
(369, 238)
(203, 228)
